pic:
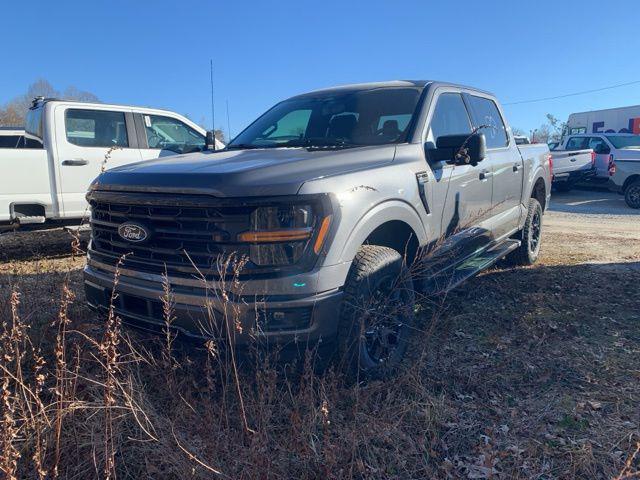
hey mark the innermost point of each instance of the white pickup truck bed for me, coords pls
(571, 167)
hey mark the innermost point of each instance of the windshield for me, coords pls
(625, 141)
(365, 117)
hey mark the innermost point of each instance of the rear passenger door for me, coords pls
(464, 188)
(503, 161)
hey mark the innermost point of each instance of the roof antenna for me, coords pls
(213, 112)
(228, 123)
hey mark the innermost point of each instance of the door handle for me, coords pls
(516, 167)
(486, 175)
(76, 162)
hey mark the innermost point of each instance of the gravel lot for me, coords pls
(592, 226)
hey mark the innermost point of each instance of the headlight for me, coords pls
(280, 235)
(282, 217)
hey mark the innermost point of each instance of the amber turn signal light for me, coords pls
(266, 236)
(322, 234)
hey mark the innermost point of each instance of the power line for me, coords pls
(574, 94)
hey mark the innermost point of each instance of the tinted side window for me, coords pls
(577, 143)
(597, 143)
(168, 133)
(485, 112)
(11, 141)
(33, 127)
(96, 128)
(450, 117)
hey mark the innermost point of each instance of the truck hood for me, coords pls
(241, 173)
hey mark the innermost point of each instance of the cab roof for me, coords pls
(354, 87)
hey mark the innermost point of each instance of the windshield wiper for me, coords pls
(320, 143)
(243, 146)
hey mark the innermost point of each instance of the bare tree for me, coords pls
(14, 111)
(542, 134)
(73, 93)
(556, 127)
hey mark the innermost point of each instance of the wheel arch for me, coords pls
(393, 224)
(539, 192)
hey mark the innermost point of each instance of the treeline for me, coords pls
(14, 111)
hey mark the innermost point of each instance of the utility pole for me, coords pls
(213, 112)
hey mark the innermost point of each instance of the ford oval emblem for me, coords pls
(133, 232)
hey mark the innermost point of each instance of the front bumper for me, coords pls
(208, 312)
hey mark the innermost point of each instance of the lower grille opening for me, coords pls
(135, 305)
(278, 320)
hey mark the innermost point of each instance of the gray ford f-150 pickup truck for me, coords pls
(331, 199)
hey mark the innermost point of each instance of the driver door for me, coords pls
(466, 189)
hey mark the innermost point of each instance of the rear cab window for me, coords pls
(96, 128)
(34, 129)
(598, 144)
(577, 143)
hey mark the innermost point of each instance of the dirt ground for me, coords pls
(531, 372)
(591, 227)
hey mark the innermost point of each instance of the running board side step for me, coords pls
(452, 277)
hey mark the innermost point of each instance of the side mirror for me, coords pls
(602, 149)
(460, 149)
(211, 140)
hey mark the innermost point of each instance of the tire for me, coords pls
(530, 235)
(632, 194)
(377, 315)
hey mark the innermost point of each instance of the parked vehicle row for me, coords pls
(611, 159)
(47, 168)
(329, 197)
(625, 167)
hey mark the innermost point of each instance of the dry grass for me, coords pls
(528, 373)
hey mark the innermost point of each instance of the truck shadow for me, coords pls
(29, 245)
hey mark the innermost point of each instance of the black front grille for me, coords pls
(188, 235)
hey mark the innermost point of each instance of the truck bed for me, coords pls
(567, 161)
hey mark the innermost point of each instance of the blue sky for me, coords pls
(156, 53)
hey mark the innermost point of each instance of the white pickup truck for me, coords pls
(574, 161)
(67, 144)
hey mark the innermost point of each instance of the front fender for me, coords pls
(387, 211)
